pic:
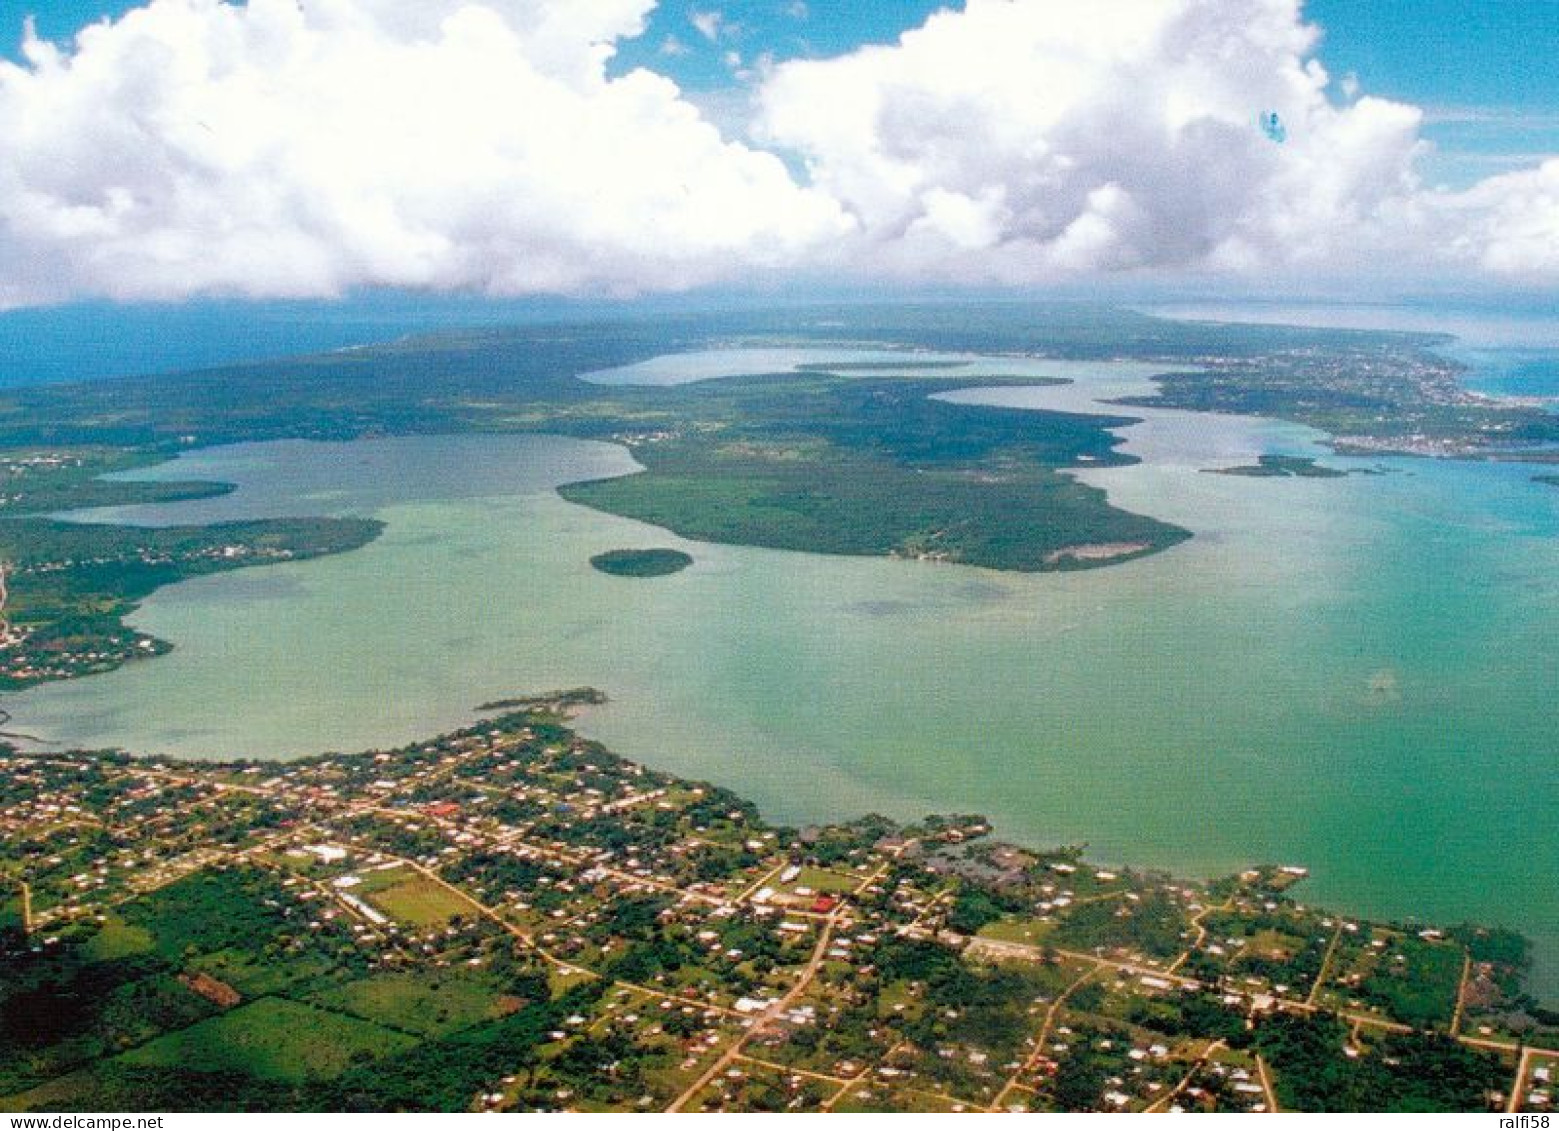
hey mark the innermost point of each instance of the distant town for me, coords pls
(1372, 396)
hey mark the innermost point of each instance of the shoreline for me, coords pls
(574, 706)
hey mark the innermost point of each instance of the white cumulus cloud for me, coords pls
(1029, 140)
(1509, 225)
(304, 147)
(300, 148)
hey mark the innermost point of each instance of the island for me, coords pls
(843, 458)
(512, 918)
(1282, 467)
(642, 563)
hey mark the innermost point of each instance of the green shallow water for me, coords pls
(1356, 674)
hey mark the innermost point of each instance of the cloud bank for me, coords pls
(285, 148)
(1019, 142)
(303, 147)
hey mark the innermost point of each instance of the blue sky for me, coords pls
(1484, 70)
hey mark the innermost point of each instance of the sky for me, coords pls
(1483, 70)
(281, 149)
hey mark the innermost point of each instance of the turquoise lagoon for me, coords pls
(1358, 675)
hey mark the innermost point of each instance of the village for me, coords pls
(511, 917)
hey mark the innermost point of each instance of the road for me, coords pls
(775, 1010)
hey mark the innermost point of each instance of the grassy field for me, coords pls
(827, 880)
(117, 939)
(412, 898)
(1030, 932)
(431, 1005)
(272, 1038)
(253, 974)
